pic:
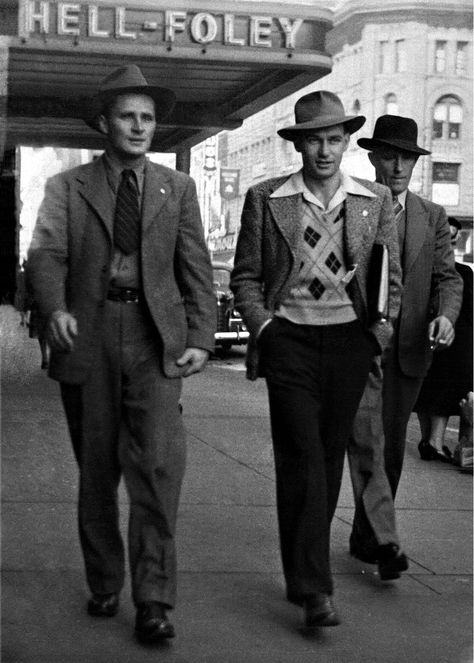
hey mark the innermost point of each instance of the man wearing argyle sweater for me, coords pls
(300, 281)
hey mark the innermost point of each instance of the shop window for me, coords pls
(445, 189)
(440, 57)
(447, 118)
(391, 104)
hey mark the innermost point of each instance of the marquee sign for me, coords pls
(93, 21)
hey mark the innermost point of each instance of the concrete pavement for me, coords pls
(231, 605)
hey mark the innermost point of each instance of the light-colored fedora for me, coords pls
(128, 80)
(318, 110)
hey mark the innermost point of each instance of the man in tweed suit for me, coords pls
(431, 299)
(300, 282)
(121, 274)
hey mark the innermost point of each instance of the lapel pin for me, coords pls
(365, 213)
(162, 191)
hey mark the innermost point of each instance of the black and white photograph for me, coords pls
(236, 331)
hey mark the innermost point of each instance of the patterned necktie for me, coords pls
(400, 221)
(397, 207)
(127, 214)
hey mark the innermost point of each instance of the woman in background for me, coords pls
(449, 378)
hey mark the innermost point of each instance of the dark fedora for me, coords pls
(128, 80)
(318, 110)
(394, 131)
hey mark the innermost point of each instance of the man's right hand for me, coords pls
(61, 331)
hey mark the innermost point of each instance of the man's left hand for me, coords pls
(195, 358)
(441, 333)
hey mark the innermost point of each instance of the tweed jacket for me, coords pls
(431, 284)
(70, 256)
(266, 261)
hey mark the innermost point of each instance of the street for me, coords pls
(231, 605)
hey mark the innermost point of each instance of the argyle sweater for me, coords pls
(320, 296)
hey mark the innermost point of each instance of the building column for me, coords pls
(4, 44)
(183, 161)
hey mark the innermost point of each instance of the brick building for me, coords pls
(407, 58)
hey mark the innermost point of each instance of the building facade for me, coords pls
(403, 58)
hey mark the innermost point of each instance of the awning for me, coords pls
(224, 60)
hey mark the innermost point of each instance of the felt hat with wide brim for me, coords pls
(394, 131)
(319, 110)
(128, 80)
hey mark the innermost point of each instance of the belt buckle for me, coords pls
(129, 296)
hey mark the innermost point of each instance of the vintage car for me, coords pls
(230, 327)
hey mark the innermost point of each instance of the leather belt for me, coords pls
(125, 295)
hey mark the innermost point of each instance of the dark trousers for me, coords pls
(125, 420)
(399, 397)
(376, 452)
(315, 377)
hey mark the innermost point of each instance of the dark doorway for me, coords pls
(8, 228)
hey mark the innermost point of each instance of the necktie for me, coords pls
(397, 208)
(127, 214)
(400, 221)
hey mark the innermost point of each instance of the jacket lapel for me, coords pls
(157, 190)
(415, 230)
(94, 189)
(358, 220)
(286, 212)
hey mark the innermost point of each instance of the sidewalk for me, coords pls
(231, 605)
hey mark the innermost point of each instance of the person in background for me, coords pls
(449, 378)
(300, 282)
(431, 299)
(121, 275)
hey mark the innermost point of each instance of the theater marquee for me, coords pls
(91, 21)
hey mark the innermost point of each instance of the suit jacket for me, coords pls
(267, 264)
(431, 285)
(70, 256)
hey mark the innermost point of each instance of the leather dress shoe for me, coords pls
(103, 605)
(391, 561)
(364, 554)
(152, 624)
(296, 599)
(428, 452)
(319, 611)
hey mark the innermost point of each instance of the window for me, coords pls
(356, 107)
(447, 118)
(445, 183)
(383, 57)
(461, 50)
(400, 55)
(391, 104)
(440, 57)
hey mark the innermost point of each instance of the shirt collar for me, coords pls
(402, 198)
(295, 185)
(114, 170)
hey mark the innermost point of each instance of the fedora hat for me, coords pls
(318, 110)
(394, 131)
(128, 80)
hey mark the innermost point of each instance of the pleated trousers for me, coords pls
(125, 421)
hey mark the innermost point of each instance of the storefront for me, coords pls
(225, 60)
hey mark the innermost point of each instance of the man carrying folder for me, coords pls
(300, 282)
(431, 299)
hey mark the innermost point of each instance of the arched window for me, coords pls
(447, 118)
(391, 104)
(356, 107)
